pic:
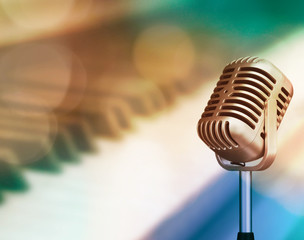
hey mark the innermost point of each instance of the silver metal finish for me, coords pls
(245, 201)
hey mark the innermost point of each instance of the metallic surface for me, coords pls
(270, 144)
(233, 123)
(245, 201)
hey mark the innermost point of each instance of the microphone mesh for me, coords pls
(240, 94)
(216, 135)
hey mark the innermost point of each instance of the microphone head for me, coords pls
(232, 124)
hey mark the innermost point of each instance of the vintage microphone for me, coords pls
(240, 123)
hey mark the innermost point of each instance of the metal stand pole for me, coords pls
(245, 181)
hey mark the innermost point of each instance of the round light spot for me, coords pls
(163, 53)
(37, 14)
(37, 76)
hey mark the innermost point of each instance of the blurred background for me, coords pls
(99, 104)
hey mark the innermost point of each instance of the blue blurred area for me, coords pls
(203, 212)
(213, 214)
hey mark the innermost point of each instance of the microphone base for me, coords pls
(245, 236)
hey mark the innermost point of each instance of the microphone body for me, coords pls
(240, 123)
(233, 122)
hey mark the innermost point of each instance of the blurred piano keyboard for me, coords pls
(98, 130)
(92, 137)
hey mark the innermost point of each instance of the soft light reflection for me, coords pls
(35, 82)
(35, 75)
(288, 59)
(149, 174)
(76, 88)
(284, 179)
(164, 52)
(81, 10)
(37, 14)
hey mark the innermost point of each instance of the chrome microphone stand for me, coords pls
(245, 214)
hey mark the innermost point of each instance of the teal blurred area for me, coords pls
(254, 22)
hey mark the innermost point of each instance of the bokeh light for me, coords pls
(38, 75)
(164, 52)
(37, 14)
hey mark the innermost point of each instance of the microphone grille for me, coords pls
(240, 94)
(216, 135)
(283, 100)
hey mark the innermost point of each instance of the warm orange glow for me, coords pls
(164, 52)
(40, 75)
(37, 14)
